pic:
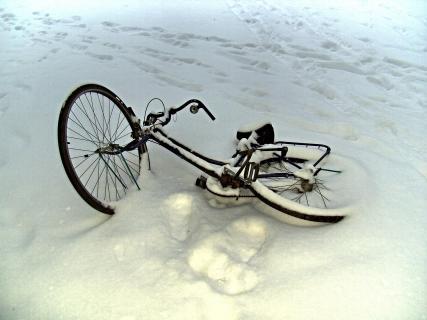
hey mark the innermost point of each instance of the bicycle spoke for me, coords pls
(77, 157)
(81, 175)
(135, 155)
(118, 173)
(321, 196)
(81, 139)
(106, 179)
(109, 119)
(102, 111)
(79, 124)
(86, 158)
(322, 185)
(77, 149)
(108, 185)
(282, 189)
(124, 169)
(96, 121)
(118, 133)
(298, 198)
(103, 132)
(113, 179)
(83, 110)
(118, 125)
(104, 122)
(92, 124)
(136, 164)
(94, 168)
(97, 182)
(122, 135)
(113, 176)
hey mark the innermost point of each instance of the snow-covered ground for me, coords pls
(351, 74)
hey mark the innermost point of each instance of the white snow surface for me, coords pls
(350, 74)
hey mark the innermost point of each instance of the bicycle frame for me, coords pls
(242, 173)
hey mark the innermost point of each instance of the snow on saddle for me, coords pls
(264, 132)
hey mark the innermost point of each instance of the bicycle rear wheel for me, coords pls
(92, 123)
(295, 192)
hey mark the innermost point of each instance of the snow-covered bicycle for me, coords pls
(104, 150)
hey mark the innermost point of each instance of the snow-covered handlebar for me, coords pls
(194, 104)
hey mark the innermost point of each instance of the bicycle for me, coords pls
(105, 154)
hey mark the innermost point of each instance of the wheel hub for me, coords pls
(306, 186)
(109, 149)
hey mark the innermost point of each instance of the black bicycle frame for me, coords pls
(181, 149)
(175, 147)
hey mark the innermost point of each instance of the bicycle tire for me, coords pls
(101, 179)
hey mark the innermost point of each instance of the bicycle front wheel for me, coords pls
(94, 123)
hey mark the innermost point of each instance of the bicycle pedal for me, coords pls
(201, 182)
(250, 173)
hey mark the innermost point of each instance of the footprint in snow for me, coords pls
(81, 25)
(180, 216)
(78, 47)
(182, 84)
(254, 92)
(112, 45)
(102, 57)
(109, 24)
(59, 36)
(381, 81)
(88, 39)
(323, 89)
(330, 45)
(23, 86)
(8, 17)
(130, 28)
(222, 259)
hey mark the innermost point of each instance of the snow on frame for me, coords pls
(348, 74)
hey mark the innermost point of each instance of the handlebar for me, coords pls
(194, 104)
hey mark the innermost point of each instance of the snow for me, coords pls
(349, 74)
(253, 126)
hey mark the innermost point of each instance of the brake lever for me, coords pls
(152, 118)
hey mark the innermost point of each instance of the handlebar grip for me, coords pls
(209, 114)
(207, 110)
